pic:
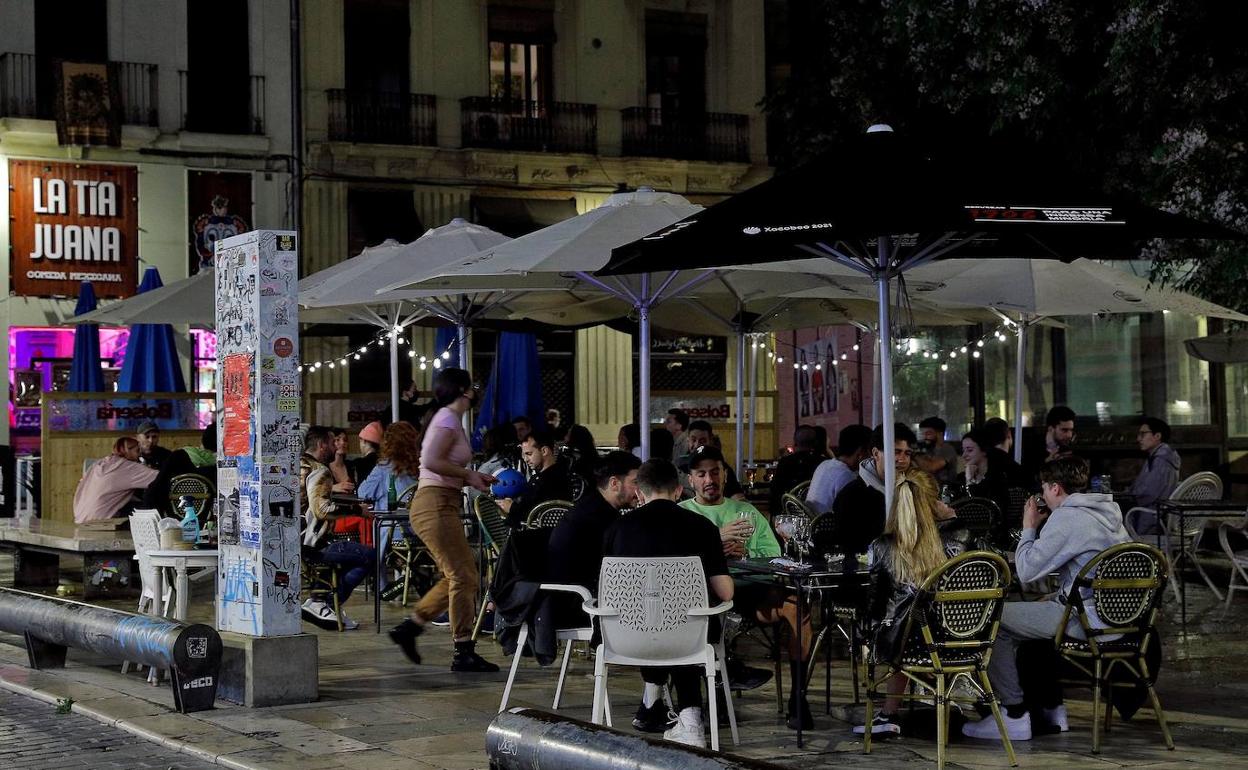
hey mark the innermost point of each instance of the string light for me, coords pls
(380, 341)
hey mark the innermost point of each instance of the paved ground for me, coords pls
(377, 711)
(33, 734)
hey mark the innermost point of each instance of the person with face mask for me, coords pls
(434, 514)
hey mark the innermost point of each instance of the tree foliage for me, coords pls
(1148, 96)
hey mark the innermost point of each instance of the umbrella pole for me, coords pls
(753, 398)
(740, 456)
(1020, 371)
(643, 366)
(886, 376)
(394, 376)
(461, 340)
(876, 401)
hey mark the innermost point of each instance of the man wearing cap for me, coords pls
(370, 445)
(151, 453)
(747, 534)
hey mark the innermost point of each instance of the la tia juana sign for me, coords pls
(71, 223)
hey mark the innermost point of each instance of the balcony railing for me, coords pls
(222, 110)
(20, 96)
(509, 124)
(382, 117)
(713, 136)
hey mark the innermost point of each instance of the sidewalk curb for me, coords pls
(176, 744)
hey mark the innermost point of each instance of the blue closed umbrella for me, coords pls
(515, 386)
(151, 364)
(84, 370)
(444, 340)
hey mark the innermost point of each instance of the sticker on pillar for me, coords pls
(288, 405)
(283, 347)
(197, 647)
(268, 364)
(281, 502)
(285, 243)
(236, 400)
(248, 520)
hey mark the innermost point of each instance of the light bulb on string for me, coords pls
(437, 363)
(975, 354)
(964, 348)
(818, 367)
(953, 354)
(979, 344)
(446, 355)
(944, 367)
(779, 359)
(411, 354)
(357, 356)
(835, 362)
(844, 356)
(331, 364)
(422, 367)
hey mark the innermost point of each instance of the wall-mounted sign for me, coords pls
(220, 206)
(73, 222)
(122, 415)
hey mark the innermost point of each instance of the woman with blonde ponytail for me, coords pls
(919, 537)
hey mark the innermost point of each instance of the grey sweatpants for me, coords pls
(1021, 621)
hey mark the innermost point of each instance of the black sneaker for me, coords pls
(881, 725)
(656, 719)
(441, 621)
(404, 635)
(466, 660)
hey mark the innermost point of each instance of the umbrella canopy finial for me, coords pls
(880, 128)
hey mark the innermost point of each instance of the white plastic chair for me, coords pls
(146, 537)
(567, 636)
(1176, 542)
(1239, 559)
(654, 612)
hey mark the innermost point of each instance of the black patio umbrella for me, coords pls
(882, 204)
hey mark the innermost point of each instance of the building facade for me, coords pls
(517, 114)
(133, 133)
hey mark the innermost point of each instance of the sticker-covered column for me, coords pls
(258, 440)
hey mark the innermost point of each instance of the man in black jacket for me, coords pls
(859, 508)
(663, 528)
(796, 467)
(552, 477)
(575, 548)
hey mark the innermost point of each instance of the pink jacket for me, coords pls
(107, 485)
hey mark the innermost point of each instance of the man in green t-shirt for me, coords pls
(748, 536)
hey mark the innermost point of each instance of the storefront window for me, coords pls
(933, 387)
(1187, 377)
(1103, 375)
(1237, 399)
(1000, 358)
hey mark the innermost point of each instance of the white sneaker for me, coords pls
(319, 613)
(1057, 717)
(347, 623)
(688, 729)
(1018, 728)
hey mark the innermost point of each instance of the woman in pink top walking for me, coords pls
(434, 513)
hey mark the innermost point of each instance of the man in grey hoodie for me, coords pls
(1158, 477)
(1080, 526)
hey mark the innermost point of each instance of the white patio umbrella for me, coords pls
(1026, 291)
(188, 301)
(563, 256)
(354, 290)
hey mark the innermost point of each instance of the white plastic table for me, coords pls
(180, 562)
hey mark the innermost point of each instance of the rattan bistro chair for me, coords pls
(949, 634)
(547, 515)
(979, 515)
(796, 506)
(198, 489)
(1123, 585)
(494, 524)
(800, 490)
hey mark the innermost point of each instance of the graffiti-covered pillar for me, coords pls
(258, 440)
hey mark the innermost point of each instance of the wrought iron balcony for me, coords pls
(712, 136)
(382, 117)
(20, 95)
(509, 124)
(215, 112)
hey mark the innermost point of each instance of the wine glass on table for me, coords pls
(786, 527)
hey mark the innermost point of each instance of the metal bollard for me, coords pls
(528, 739)
(192, 653)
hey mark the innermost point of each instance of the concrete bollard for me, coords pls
(528, 739)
